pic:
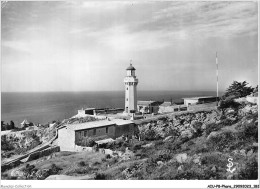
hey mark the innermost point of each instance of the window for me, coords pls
(94, 132)
(85, 133)
(126, 99)
(106, 129)
(126, 88)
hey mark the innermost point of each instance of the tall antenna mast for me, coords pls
(217, 71)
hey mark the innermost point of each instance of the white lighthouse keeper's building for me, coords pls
(130, 90)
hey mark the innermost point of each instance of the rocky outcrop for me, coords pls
(181, 158)
(184, 125)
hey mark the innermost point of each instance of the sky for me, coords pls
(87, 45)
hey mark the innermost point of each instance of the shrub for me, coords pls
(250, 171)
(136, 147)
(28, 170)
(150, 135)
(86, 142)
(164, 155)
(103, 159)
(122, 148)
(190, 142)
(159, 143)
(89, 142)
(96, 163)
(108, 156)
(223, 141)
(201, 149)
(54, 169)
(197, 126)
(110, 145)
(209, 175)
(81, 163)
(5, 145)
(80, 170)
(214, 158)
(176, 144)
(213, 127)
(113, 160)
(5, 176)
(228, 103)
(229, 122)
(150, 165)
(251, 130)
(238, 89)
(118, 143)
(42, 174)
(138, 155)
(100, 176)
(188, 175)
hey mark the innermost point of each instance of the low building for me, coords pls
(148, 107)
(98, 111)
(199, 100)
(71, 134)
(87, 111)
(166, 104)
(25, 123)
(52, 124)
(172, 108)
(166, 107)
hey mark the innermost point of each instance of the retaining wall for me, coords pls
(202, 106)
(39, 154)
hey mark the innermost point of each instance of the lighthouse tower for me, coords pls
(130, 90)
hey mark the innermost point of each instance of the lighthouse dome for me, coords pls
(130, 67)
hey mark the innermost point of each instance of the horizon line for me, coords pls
(104, 91)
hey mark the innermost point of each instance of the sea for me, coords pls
(45, 107)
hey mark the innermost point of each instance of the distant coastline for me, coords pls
(44, 107)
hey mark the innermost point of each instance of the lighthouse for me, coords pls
(130, 90)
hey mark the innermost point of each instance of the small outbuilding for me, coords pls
(25, 123)
(87, 111)
(199, 100)
(148, 107)
(71, 134)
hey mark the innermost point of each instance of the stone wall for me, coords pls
(39, 154)
(201, 106)
(166, 109)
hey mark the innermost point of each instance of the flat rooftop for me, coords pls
(198, 97)
(145, 102)
(96, 124)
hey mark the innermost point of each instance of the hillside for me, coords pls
(15, 143)
(187, 146)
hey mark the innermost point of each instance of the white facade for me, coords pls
(130, 90)
(66, 139)
(188, 102)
